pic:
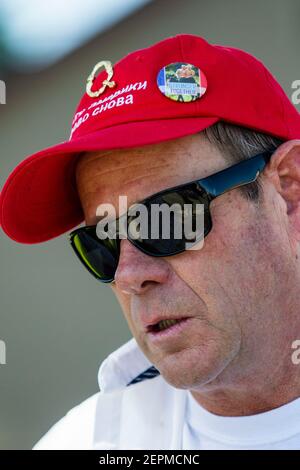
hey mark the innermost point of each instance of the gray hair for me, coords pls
(239, 143)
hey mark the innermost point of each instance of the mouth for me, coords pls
(163, 325)
(168, 330)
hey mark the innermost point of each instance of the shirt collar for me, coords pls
(262, 428)
(121, 366)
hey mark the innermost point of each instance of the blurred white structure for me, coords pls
(38, 33)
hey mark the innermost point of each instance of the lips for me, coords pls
(162, 323)
(167, 336)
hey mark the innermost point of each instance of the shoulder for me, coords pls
(124, 373)
(109, 420)
(94, 417)
(74, 430)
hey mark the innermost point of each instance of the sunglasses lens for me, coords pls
(171, 231)
(100, 257)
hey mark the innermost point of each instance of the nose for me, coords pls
(138, 272)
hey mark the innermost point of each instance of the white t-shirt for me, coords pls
(275, 429)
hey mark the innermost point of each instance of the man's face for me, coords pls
(228, 333)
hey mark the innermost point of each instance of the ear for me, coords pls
(284, 172)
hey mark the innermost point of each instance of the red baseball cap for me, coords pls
(176, 87)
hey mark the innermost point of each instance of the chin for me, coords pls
(193, 370)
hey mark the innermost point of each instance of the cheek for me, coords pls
(227, 266)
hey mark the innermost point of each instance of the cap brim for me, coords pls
(39, 200)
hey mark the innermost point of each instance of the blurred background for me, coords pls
(57, 323)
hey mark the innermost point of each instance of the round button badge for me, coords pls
(182, 82)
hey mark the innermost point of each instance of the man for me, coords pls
(221, 374)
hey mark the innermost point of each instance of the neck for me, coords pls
(256, 393)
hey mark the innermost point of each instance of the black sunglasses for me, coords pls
(101, 256)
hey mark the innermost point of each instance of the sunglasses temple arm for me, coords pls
(237, 175)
